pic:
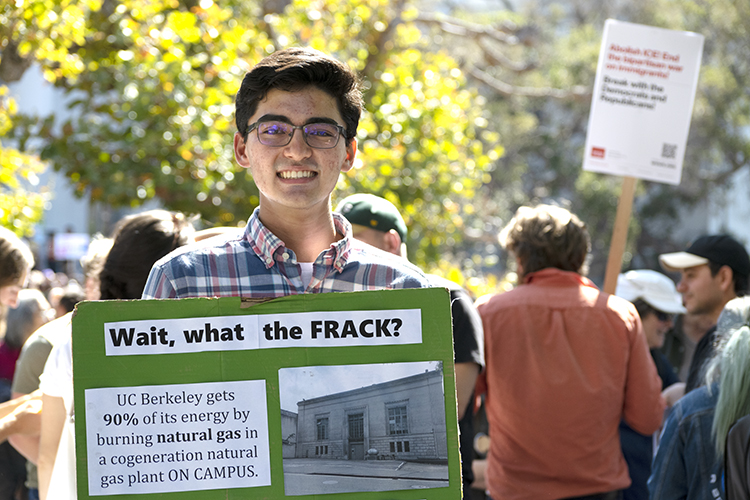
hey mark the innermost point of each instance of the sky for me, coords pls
(307, 382)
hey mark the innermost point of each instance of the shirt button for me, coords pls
(285, 256)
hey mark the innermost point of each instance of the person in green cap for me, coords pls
(377, 222)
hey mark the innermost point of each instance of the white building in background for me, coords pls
(729, 208)
(65, 213)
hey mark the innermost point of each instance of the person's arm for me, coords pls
(466, 377)
(53, 422)
(468, 344)
(643, 407)
(27, 443)
(8, 407)
(24, 417)
(673, 393)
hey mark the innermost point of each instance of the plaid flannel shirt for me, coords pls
(255, 263)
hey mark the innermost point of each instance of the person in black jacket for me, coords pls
(714, 269)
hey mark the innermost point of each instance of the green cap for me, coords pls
(372, 211)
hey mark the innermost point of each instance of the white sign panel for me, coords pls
(642, 103)
(264, 331)
(166, 438)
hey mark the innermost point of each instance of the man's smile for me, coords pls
(296, 174)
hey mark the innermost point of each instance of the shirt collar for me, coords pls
(263, 242)
(266, 244)
(553, 276)
(342, 248)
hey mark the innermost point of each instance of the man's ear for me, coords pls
(351, 153)
(240, 151)
(725, 275)
(392, 242)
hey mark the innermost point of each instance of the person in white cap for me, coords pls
(656, 299)
(714, 269)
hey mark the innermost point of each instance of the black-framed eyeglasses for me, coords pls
(317, 135)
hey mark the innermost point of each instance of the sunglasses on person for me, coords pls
(662, 316)
(277, 134)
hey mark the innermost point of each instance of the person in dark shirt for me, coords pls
(714, 269)
(377, 222)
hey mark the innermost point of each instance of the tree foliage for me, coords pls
(21, 202)
(468, 115)
(537, 65)
(153, 108)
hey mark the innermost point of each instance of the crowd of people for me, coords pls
(575, 383)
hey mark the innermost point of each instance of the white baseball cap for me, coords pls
(654, 288)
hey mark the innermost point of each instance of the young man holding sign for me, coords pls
(291, 111)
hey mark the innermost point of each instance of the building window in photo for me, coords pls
(397, 421)
(322, 428)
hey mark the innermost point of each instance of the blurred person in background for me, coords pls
(138, 241)
(689, 462)
(31, 312)
(16, 261)
(714, 269)
(565, 363)
(34, 355)
(72, 294)
(656, 299)
(377, 222)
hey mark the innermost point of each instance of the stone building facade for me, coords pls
(288, 434)
(400, 419)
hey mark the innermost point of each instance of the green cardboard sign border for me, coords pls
(93, 369)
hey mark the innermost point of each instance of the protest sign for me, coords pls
(642, 102)
(302, 396)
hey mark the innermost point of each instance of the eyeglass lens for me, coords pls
(317, 135)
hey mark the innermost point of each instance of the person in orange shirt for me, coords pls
(565, 363)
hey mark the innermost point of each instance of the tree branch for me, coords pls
(467, 29)
(578, 92)
(496, 58)
(375, 57)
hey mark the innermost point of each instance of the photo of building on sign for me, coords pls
(355, 435)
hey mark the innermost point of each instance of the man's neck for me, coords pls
(307, 233)
(695, 326)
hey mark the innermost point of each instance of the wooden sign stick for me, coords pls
(619, 234)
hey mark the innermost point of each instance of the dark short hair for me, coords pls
(740, 281)
(547, 236)
(293, 69)
(72, 296)
(139, 241)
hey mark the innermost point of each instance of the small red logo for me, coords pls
(597, 152)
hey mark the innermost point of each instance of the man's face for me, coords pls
(701, 292)
(295, 177)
